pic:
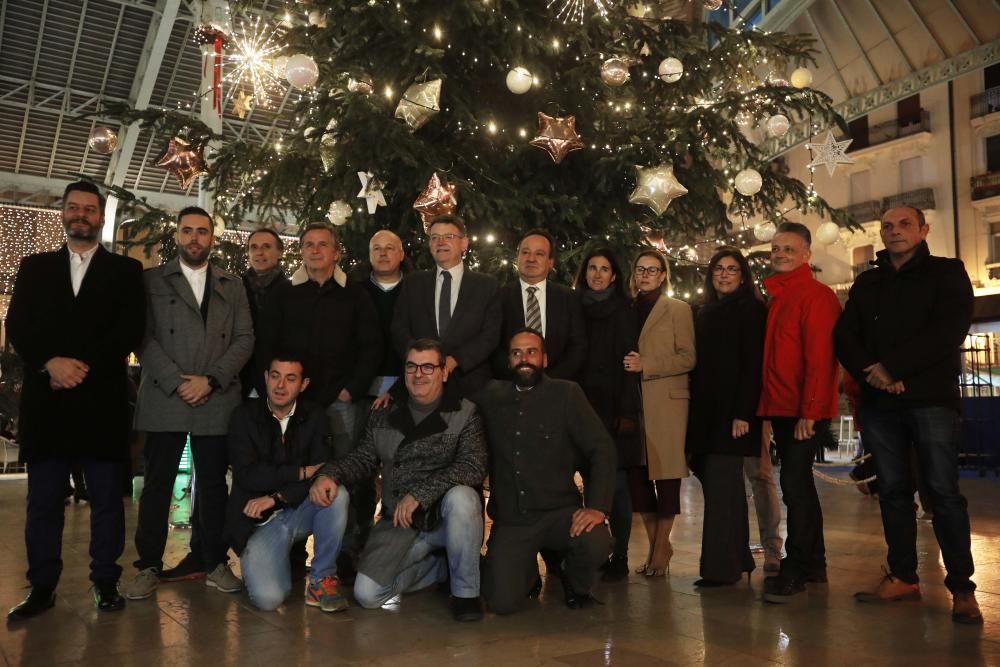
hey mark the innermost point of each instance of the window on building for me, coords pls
(861, 256)
(858, 130)
(991, 76)
(911, 174)
(993, 153)
(908, 110)
(994, 242)
(861, 186)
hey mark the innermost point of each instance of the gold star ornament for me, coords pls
(656, 187)
(183, 161)
(242, 104)
(557, 136)
(438, 198)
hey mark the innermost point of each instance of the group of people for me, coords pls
(443, 392)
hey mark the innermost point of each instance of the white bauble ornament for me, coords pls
(310, 134)
(301, 71)
(670, 70)
(765, 231)
(519, 81)
(802, 78)
(748, 182)
(339, 212)
(777, 125)
(317, 18)
(828, 233)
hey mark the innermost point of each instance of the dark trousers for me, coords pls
(725, 534)
(211, 461)
(44, 526)
(804, 517)
(933, 433)
(510, 568)
(621, 514)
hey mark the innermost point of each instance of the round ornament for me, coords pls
(614, 72)
(748, 182)
(339, 212)
(777, 125)
(103, 140)
(802, 78)
(364, 85)
(828, 233)
(670, 70)
(301, 71)
(765, 231)
(317, 18)
(519, 81)
(712, 5)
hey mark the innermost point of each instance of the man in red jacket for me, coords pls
(799, 396)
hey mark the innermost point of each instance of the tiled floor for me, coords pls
(642, 622)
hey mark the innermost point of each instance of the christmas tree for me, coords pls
(602, 122)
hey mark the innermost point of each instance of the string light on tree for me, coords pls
(576, 10)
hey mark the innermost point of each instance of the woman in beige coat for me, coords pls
(665, 357)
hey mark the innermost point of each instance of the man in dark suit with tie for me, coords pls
(452, 304)
(75, 315)
(535, 302)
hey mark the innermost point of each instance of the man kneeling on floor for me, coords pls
(432, 448)
(276, 445)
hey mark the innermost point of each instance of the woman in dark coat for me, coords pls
(723, 426)
(611, 390)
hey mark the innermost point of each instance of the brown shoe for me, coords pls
(965, 609)
(890, 589)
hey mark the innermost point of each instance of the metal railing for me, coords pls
(985, 185)
(985, 102)
(892, 129)
(922, 199)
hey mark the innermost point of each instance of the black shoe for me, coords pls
(817, 577)
(38, 600)
(190, 567)
(615, 569)
(80, 493)
(108, 598)
(553, 562)
(346, 571)
(783, 589)
(536, 589)
(466, 610)
(576, 600)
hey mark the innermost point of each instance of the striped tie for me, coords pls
(534, 319)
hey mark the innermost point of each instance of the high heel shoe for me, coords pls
(656, 572)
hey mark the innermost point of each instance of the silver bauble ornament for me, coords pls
(765, 231)
(103, 140)
(614, 72)
(301, 71)
(777, 125)
(748, 182)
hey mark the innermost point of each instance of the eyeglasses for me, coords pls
(731, 270)
(647, 270)
(425, 369)
(444, 237)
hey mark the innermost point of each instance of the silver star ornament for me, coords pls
(830, 153)
(371, 191)
(656, 187)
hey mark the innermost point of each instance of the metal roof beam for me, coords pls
(888, 33)
(930, 35)
(55, 185)
(857, 43)
(965, 24)
(826, 49)
(31, 91)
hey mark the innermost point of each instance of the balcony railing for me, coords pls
(985, 102)
(985, 185)
(922, 199)
(892, 129)
(866, 210)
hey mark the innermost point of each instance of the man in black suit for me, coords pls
(457, 306)
(75, 315)
(265, 282)
(535, 302)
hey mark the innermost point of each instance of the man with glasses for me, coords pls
(432, 451)
(452, 304)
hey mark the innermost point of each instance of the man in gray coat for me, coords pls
(199, 334)
(433, 454)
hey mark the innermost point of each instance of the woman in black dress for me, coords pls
(612, 391)
(723, 426)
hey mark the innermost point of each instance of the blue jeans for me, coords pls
(267, 571)
(933, 433)
(460, 534)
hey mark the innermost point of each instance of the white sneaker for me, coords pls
(144, 584)
(223, 580)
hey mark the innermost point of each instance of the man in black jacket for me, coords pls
(900, 337)
(334, 329)
(276, 444)
(264, 282)
(541, 431)
(535, 302)
(75, 315)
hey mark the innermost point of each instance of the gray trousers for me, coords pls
(759, 471)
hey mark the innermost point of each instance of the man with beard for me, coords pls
(264, 282)
(74, 316)
(541, 431)
(199, 335)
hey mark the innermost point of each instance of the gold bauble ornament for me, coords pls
(614, 72)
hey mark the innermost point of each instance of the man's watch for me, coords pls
(279, 503)
(214, 383)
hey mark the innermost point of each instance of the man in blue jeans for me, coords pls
(900, 337)
(432, 450)
(276, 444)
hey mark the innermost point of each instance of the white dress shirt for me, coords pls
(282, 421)
(539, 296)
(78, 264)
(196, 279)
(456, 272)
